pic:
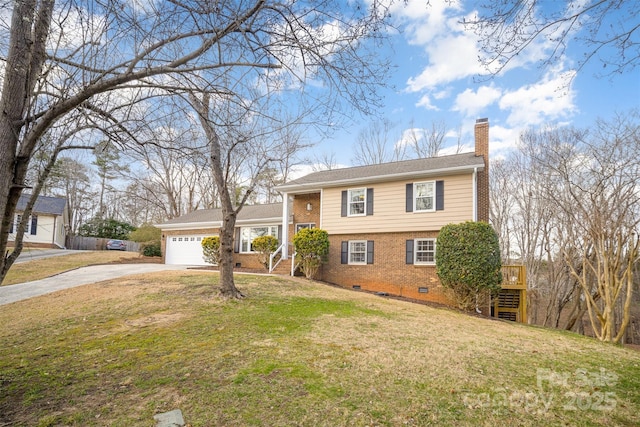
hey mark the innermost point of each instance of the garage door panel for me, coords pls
(184, 250)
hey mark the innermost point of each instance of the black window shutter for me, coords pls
(410, 197)
(439, 195)
(343, 211)
(236, 241)
(344, 253)
(11, 226)
(369, 201)
(369, 251)
(34, 224)
(279, 234)
(409, 252)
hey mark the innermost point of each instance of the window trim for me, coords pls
(415, 196)
(349, 252)
(350, 202)
(415, 251)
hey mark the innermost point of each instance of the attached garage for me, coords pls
(185, 249)
(182, 236)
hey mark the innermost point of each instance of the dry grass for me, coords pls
(41, 268)
(293, 353)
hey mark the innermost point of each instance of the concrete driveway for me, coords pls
(78, 277)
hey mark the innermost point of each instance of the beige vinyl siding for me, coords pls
(45, 230)
(389, 213)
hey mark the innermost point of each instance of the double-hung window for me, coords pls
(425, 195)
(357, 202)
(248, 234)
(421, 251)
(425, 251)
(357, 252)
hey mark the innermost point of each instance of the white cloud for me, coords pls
(544, 101)
(451, 57)
(442, 94)
(425, 22)
(501, 138)
(425, 102)
(471, 103)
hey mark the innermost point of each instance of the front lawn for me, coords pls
(294, 353)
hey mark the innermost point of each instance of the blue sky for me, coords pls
(437, 78)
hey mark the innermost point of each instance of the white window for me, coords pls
(304, 225)
(425, 251)
(16, 224)
(357, 251)
(357, 202)
(424, 194)
(248, 234)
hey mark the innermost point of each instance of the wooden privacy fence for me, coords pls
(511, 302)
(96, 244)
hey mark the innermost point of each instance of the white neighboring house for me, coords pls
(47, 224)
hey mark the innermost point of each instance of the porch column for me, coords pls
(285, 225)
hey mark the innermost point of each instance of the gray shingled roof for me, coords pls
(43, 205)
(248, 213)
(385, 171)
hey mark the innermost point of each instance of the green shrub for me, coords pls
(211, 249)
(312, 248)
(151, 248)
(145, 233)
(468, 262)
(108, 228)
(264, 246)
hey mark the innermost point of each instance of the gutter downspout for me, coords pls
(475, 194)
(285, 225)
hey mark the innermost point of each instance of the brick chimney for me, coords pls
(481, 133)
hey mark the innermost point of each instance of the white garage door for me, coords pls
(185, 250)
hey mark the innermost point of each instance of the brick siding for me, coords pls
(389, 271)
(300, 213)
(481, 132)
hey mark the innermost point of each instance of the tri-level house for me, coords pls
(382, 220)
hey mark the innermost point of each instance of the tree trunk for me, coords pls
(23, 66)
(227, 284)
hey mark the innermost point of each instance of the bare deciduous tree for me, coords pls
(57, 61)
(573, 202)
(375, 144)
(605, 31)
(70, 179)
(426, 142)
(324, 162)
